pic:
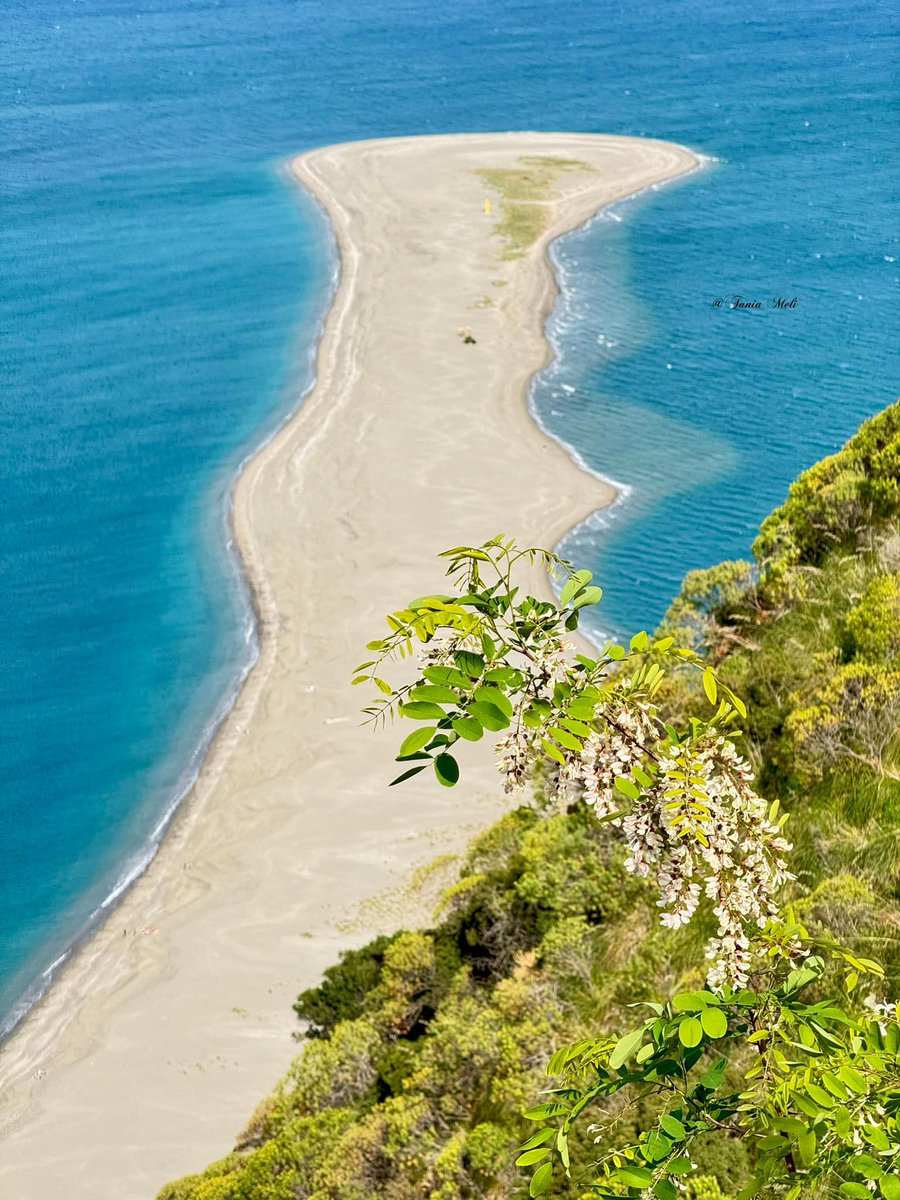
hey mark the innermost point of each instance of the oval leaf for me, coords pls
(493, 696)
(627, 788)
(714, 1022)
(447, 769)
(489, 715)
(540, 1180)
(417, 739)
(673, 1127)
(446, 675)
(468, 728)
(690, 1032)
(625, 1047)
(420, 710)
(638, 1177)
(532, 1156)
(590, 595)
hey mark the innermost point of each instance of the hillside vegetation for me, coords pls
(423, 1049)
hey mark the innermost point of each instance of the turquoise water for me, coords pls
(163, 286)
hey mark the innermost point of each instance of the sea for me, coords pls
(164, 285)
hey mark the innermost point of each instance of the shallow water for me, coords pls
(163, 284)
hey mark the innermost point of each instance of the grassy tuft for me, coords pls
(525, 191)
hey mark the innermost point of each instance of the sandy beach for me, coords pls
(151, 1051)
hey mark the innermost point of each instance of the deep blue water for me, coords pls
(162, 286)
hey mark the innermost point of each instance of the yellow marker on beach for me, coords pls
(487, 207)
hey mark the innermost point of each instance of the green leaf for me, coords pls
(693, 1001)
(569, 740)
(878, 1138)
(539, 1112)
(489, 695)
(532, 1156)
(446, 675)
(709, 685)
(665, 1189)
(434, 692)
(447, 769)
(866, 1166)
(468, 728)
(806, 1147)
(714, 1076)
(489, 715)
(714, 1022)
(639, 641)
(806, 1105)
(638, 1177)
(834, 1086)
(625, 1047)
(543, 1135)
(656, 1147)
(590, 595)
(470, 664)
(890, 1187)
(408, 774)
(553, 752)
(673, 1127)
(562, 1146)
(690, 1032)
(420, 710)
(577, 727)
(855, 1191)
(842, 1122)
(569, 590)
(679, 1166)
(540, 1180)
(627, 787)
(853, 1079)
(819, 1095)
(416, 740)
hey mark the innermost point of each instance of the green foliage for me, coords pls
(425, 1048)
(341, 994)
(836, 504)
(801, 1081)
(874, 622)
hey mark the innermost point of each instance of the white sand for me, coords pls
(157, 1048)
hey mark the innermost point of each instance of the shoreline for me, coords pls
(107, 982)
(143, 857)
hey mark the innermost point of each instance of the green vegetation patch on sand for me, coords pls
(525, 191)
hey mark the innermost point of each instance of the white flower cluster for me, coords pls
(622, 744)
(514, 759)
(704, 829)
(700, 828)
(551, 665)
